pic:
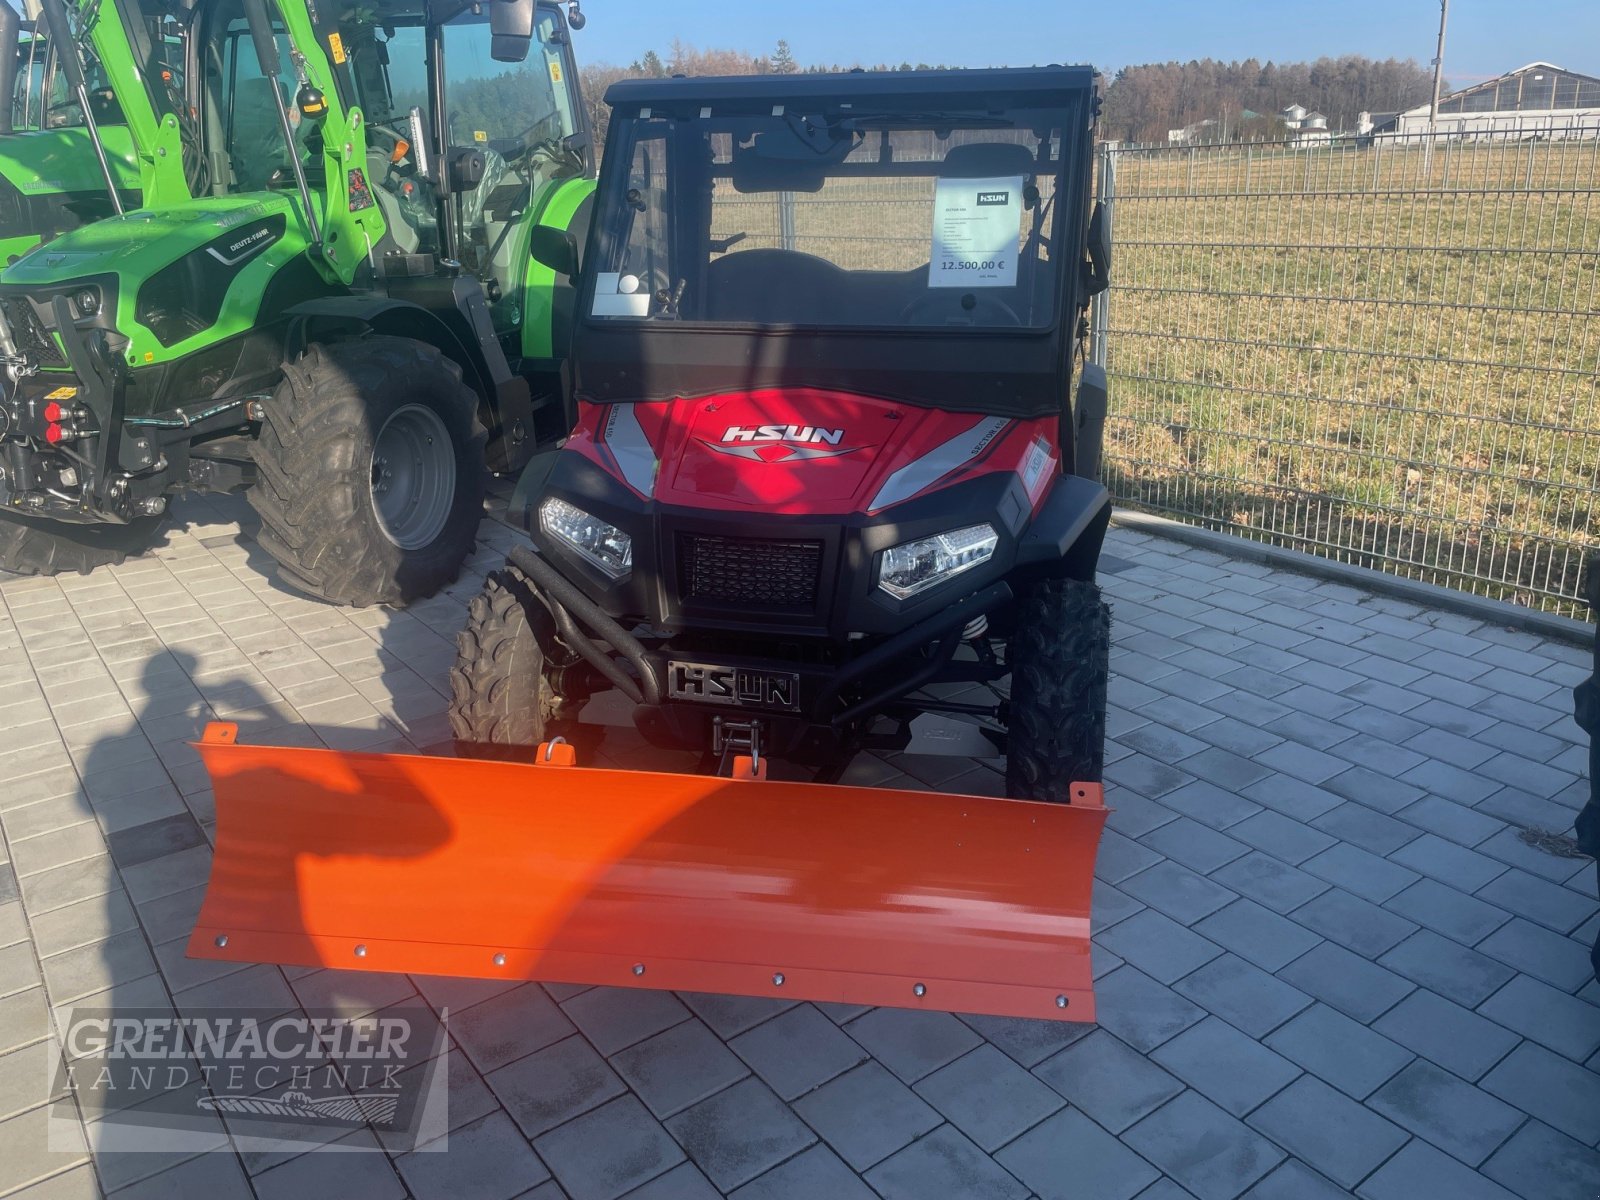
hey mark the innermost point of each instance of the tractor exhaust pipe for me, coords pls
(255, 14)
(55, 15)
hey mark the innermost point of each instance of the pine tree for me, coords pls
(782, 60)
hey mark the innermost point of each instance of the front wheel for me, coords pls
(370, 472)
(500, 699)
(39, 546)
(1060, 653)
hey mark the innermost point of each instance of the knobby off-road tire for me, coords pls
(344, 414)
(1060, 659)
(37, 546)
(500, 700)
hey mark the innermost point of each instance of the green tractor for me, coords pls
(328, 297)
(51, 178)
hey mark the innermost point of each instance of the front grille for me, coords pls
(758, 573)
(32, 338)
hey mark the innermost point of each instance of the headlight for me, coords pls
(913, 567)
(86, 302)
(603, 545)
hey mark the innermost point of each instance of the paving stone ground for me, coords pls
(1328, 962)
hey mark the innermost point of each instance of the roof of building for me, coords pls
(1533, 88)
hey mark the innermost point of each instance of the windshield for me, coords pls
(851, 219)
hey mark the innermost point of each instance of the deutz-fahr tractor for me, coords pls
(827, 476)
(334, 307)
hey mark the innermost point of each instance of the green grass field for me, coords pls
(1378, 354)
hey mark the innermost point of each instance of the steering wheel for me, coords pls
(939, 306)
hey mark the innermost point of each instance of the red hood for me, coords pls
(799, 450)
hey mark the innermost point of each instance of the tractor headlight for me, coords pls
(913, 567)
(86, 302)
(601, 544)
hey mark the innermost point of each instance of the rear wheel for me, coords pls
(36, 546)
(1060, 658)
(371, 476)
(500, 699)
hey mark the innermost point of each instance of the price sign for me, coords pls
(976, 231)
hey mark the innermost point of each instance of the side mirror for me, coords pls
(510, 29)
(554, 248)
(1097, 274)
(464, 168)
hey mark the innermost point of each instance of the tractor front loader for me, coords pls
(827, 491)
(326, 298)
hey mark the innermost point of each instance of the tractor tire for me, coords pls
(1060, 654)
(500, 699)
(370, 475)
(39, 546)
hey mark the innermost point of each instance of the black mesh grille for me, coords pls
(31, 336)
(751, 572)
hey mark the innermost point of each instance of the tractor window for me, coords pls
(243, 114)
(641, 279)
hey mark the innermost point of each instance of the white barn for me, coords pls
(1538, 100)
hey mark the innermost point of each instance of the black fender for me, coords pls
(460, 329)
(1065, 537)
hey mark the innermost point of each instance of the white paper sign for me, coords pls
(975, 232)
(619, 295)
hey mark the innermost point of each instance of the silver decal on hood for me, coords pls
(636, 458)
(937, 463)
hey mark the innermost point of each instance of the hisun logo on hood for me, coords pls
(779, 443)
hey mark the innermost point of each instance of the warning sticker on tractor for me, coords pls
(555, 71)
(336, 45)
(976, 225)
(61, 393)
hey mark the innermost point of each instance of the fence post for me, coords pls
(1105, 193)
(786, 234)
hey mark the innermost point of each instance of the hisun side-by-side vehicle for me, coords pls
(826, 476)
(329, 300)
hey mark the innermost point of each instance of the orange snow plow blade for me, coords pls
(450, 866)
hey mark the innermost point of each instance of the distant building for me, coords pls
(1540, 100)
(1303, 125)
(1200, 131)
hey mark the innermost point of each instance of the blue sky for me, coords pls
(1486, 37)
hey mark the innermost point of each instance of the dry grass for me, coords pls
(1367, 354)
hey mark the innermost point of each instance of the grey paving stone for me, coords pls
(730, 1016)
(988, 1097)
(1267, 881)
(1159, 946)
(466, 1096)
(1208, 804)
(154, 839)
(1069, 1157)
(1328, 1130)
(74, 973)
(1354, 923)
(797, 1050)
(815, 1172)
(1207, 1151)
(635, 1149)
(1114, 1084)
(1142, 774)
(1446, 1033)
(1293, 797)
(1282, 837)
(911, 1043)
(551, 1086)
(1552, 1018)
(1461, 824)
(1448, 863)
(1296, 1181)
(866, 1115)
(1164, 1189)
(943, 1164)
(1350, 983)
(683, 1182)
(1028, 1042)
(1364, 827)
(1374, 789)
(1459, 1119)
(1238, 736)
(1133, 816)
(1243, 995)
(1447, 967)
(1232, 1070)
(1538, 1163)
(1509, 847)
(739, 1133)
(683, 1065)
(1174, 889)
(1225, 769)
(488, 1160)
(330, 1172)
(24, 1017)
(613, 1018)
(1111, 905)
(1258, 934)
(1560, 961)
(210, 1176)
(1194, 845)
(1120, 857)
(1559, 908)
(1560, 1093)
(1357, 871)
(1339, 1051)
(1141, 1011)
(1420, 1170)
(1445, 910)
(1163, 743)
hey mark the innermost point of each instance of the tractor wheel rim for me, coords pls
(413, 476)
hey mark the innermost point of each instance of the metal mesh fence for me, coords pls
(1387, 353)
